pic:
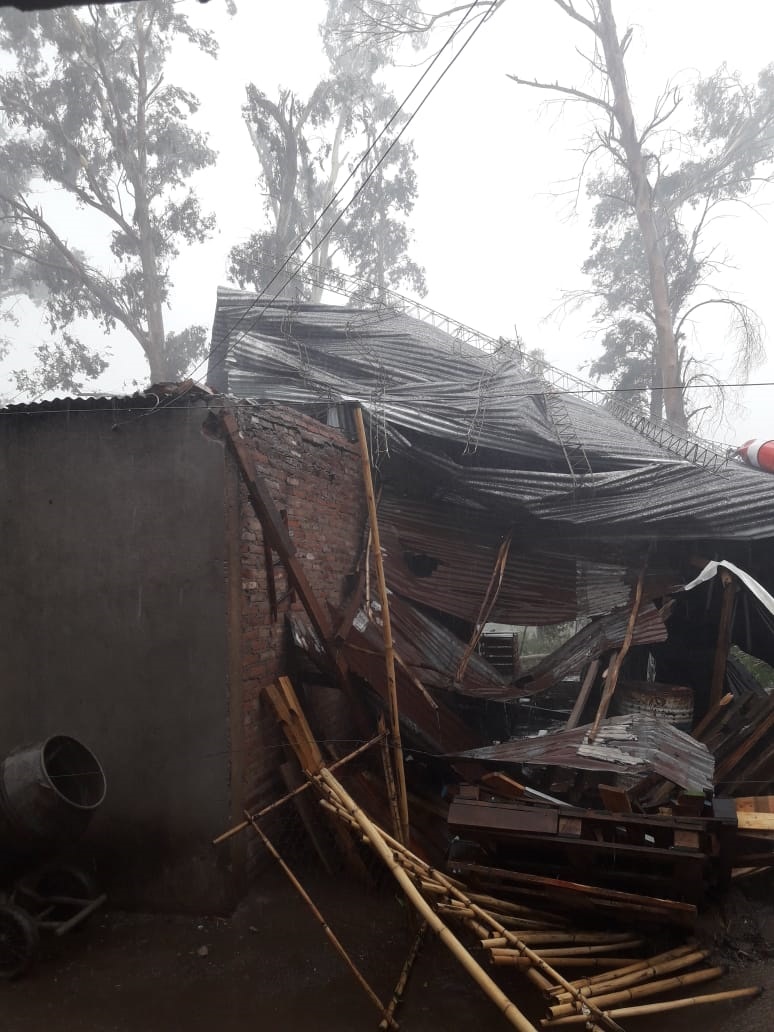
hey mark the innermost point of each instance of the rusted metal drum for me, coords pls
(48, 794)
(670, 702)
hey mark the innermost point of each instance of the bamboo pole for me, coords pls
(574, 951)
(290, 795)
(376, 838)
(400, 985)
(584, 983)
(553, 938)
(605, 964)
(639, 992)
(541, 971)
(619, 980)
(615, 667)
(659, 1008)
(389, 652)
(389, 778)
(332, 938)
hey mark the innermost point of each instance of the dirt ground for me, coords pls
(269, 967)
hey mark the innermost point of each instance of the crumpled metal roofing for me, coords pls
(632, 744)
(448, 405)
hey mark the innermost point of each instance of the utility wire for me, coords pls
(531, 394)
(259, 297)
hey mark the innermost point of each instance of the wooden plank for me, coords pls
(724, 637)
(615, 666)
(754, 804)
(277, 534)
(747, 821)
(614, 799)
(502, 785)
(473, 813)
(583, 696)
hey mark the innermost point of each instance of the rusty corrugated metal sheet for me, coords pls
(592, 641)
(634, 744)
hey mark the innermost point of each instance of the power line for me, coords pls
(172, 402)
(215, 346)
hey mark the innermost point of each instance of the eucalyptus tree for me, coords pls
(662, 185)
(307, 149)
(90, 115)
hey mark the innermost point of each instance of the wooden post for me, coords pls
(615, 667)
(724, 637)
(332, 938)
(583, 695)
(389, 651)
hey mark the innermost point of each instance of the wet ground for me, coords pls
(270, 968)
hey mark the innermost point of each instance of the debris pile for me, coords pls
(564, 841)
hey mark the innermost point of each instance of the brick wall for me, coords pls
(313, 474)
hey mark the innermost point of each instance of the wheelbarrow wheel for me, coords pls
(18, 940)
(54, 880)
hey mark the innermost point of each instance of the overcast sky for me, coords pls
(494, 224)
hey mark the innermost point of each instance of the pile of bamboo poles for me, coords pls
(539, 945)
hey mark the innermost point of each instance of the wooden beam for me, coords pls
(278, 537)
(724, 637)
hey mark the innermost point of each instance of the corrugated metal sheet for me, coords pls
(633, 744)
(481, 424)
(592, 641)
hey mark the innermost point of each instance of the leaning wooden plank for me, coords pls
(510, 1011)
(724, 636)
(330, 935)
(657, 1008)
(278, 535)
(727, 765)
(299, 734)
(583, 696)
(618, 657)
(237, 828)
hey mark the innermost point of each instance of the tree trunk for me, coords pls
(155, 347)
(646, 219)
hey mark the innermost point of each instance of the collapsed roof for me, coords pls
(481, 432)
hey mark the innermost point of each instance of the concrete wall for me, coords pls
(113, 605)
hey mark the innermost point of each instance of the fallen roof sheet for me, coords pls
(632, 744)
(592, 641)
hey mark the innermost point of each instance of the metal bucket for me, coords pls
(670, 702)
(48, 794)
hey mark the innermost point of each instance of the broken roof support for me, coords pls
(618, 658)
